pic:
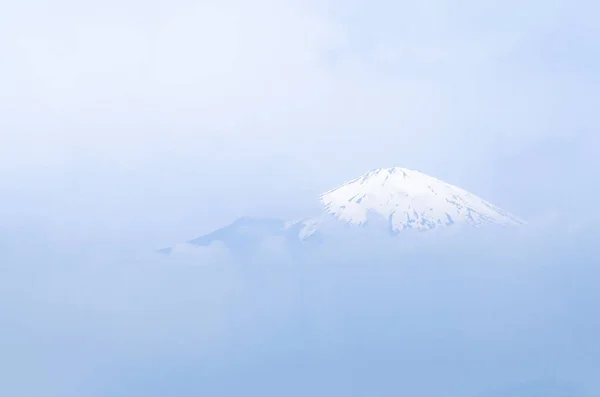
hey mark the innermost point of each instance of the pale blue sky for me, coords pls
(135, 116)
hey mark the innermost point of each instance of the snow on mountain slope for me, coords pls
(409, 199)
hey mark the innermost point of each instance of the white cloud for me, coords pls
(233, 99)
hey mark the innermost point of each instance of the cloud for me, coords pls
(198, 254)
(215, 83)
(130, 325)
(114, 113)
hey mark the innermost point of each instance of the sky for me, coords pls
(131, 125)
(131, 116)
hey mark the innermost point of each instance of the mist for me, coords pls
(128, 126)
(496, 316)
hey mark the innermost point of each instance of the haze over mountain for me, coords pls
(127, 126)
(385, 199)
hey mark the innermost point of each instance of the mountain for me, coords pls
(247, 233)
(386, 199)
(408, 199)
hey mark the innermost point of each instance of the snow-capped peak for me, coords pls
(402, 198)
(409, 199)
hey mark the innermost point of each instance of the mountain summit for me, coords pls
(394, 198)
(409, 199)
